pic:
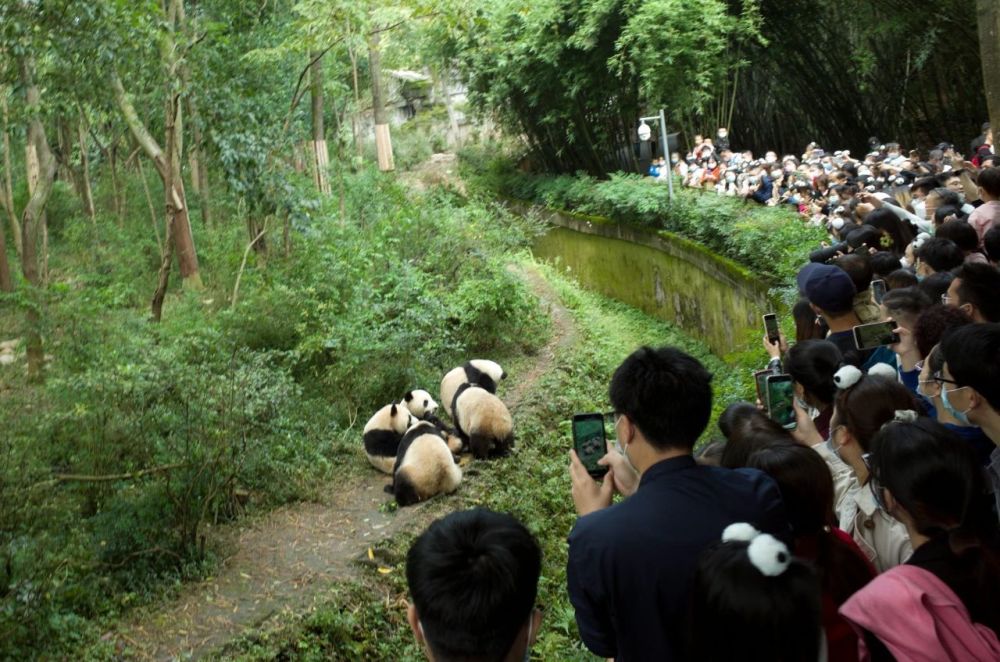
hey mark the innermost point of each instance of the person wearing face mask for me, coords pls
(473, 579)
(722, 139)
(970, 385)
(942, 603)
(630, 565)
(862, 405)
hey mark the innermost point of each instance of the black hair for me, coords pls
(865, 237)
(963, 234)
(865, 407)
(900, 278)
(934, 322)
(807, 323)
(940, 254)
(943, 212)
(473, 576)
(806, 487)
(763, 617)
(735, 415)
(759, 433)
(991, 243)
(989, 180)
(936, 284)
(711, 453)
(858, 267)
(972, 353)
(935, 477)
(926, 184)
(947, 197)
(980, 285)
(666, 393)
(906, 302)
(884, 263)
(901, 233)
(812, 363)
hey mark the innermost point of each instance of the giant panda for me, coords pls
(424, 466)
(483, 421)
(478, 372)
(422, 405)
(382, 435)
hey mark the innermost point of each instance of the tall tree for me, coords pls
(321, 156)
(988, 15)
(383, 139)
(167, 168)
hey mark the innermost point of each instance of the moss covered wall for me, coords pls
(711, 298)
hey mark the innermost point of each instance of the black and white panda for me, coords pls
(478, 372)
(420, 403)
(383, 433)
(483, 421)
(424, 467)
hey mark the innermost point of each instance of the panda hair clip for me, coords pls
(768, 554)
(849, 375)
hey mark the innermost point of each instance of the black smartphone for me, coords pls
(760, 381)
(780, 396)
(589, 442)
(877, 334)
(771, 328)
(878, 290)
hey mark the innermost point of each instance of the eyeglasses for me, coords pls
(941, 380)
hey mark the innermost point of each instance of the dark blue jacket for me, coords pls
(631, 565)
(765, 190)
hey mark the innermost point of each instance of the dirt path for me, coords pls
(282, 561)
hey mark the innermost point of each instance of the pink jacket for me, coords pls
(919, 619)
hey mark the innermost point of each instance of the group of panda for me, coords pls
(408, 441)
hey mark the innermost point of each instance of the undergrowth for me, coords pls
(366, 619)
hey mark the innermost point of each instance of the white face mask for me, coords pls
(722, 134)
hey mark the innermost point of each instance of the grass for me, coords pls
(365, 619)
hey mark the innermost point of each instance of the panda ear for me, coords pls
(393, 411)
(408, 396)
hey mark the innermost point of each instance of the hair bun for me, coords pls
(847, 377)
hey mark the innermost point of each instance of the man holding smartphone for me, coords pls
(631, 564)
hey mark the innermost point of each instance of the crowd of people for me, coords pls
(866, 529)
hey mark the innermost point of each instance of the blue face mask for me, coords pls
(831, 445)
(961, 416)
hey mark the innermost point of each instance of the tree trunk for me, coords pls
(321, 156)
(988, 18)
(196, 157)
(88, 191)
(6, 285)
(383, 140)
(7, 194)
(356, 115)
(32, 217)
(187, 258)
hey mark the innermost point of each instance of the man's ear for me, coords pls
(413, 618)
(536, 624)
(975, 398)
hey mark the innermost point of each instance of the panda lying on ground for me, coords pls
(425, 466)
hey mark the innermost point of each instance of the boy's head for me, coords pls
(473, 578)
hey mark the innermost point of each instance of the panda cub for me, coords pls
(478, 372)
(383, 433)
(483, 421)
(425, 466)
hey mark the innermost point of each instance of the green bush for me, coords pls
(771, 242)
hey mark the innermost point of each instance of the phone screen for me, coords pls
(867, 336)
(771, 327)
(589, 443)
(760, 381)
(878, 290)
(780, 396)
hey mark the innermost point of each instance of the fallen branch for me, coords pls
(246, 254)
(106, 478)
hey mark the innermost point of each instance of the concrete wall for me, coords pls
(708, 296)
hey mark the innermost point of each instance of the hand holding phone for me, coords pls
(878, 290)
(589, 442)
(781, 400)
(771, 328)
(878, 334)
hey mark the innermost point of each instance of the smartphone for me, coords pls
(589, 442)
(760, 381)
(771, 328)
(869, 336)
(780, 396)
(878, 290)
